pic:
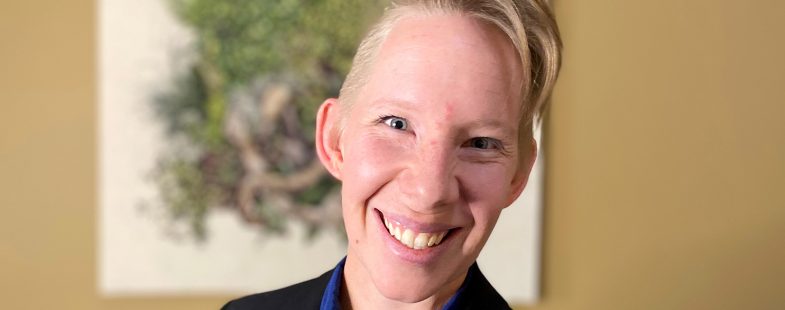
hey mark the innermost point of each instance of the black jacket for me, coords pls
(478, 294)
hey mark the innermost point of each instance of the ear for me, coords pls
(328, 137)
(523, 171)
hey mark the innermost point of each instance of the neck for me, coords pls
(359, 292)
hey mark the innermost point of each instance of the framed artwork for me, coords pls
(208, 180)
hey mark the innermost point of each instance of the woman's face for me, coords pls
(428, 154)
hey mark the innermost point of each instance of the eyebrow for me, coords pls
(380, 101)
(495, 124)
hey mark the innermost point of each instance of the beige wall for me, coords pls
(667, 158)
(667, 162)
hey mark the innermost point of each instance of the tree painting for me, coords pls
(241, 118)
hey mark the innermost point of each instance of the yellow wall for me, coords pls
(667, 158)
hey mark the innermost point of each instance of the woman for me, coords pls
(431, 137)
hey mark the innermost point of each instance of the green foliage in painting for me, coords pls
(241, 118)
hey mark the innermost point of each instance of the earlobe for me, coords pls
(523, 171)
(328, 137)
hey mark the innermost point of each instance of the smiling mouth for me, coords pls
(412, 238)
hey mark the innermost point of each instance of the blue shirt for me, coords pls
(331, 300)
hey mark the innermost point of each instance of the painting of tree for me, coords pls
(208, 178)
(243, 114)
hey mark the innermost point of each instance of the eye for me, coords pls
(482, 143)
(395, 122)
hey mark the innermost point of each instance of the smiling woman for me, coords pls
(422, 174)
(431, 138)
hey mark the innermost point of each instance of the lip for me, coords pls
(414, 225)
(423, 256)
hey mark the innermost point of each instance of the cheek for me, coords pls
(486, 193)
(487, 185)
(370, 163)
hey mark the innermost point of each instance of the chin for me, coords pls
(412, 285)
(409, 292)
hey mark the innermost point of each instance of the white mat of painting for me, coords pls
(138, 41)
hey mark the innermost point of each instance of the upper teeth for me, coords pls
(412, 239)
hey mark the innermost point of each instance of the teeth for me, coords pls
(411, 239)
(421, 241)
(432, 240)
(439, 237)
(407, 238)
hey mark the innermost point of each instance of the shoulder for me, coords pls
(480, 294)
(303, 295)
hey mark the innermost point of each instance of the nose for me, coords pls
(429, 182)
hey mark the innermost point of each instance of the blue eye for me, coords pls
(395, 122)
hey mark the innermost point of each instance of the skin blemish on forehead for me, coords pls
(449, 111)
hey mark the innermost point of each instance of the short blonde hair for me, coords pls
(529, 24)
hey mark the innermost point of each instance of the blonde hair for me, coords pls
(529, 24)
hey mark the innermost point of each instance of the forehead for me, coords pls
(456, 62)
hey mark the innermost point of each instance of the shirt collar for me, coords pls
(331, 299)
